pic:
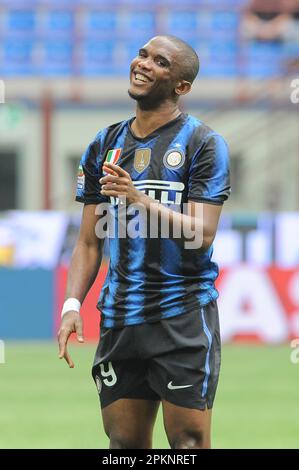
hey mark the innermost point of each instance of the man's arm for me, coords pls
(85, 263)
(201, 218)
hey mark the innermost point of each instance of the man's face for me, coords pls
(154, 72)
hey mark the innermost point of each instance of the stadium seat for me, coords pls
(98, 58)
(18, 57)
(98, 51)
(21, 21)
(226, 4)
(225, 48)
(57, 57)
(218, 68)
(182, 21)
(18, 51)
(140, 22)
(266, 50)
(225, 20)
(60, 21)
(101, 21)
(97, 3)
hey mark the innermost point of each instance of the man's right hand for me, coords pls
(71, 322)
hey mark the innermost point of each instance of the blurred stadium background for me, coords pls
(64, 71)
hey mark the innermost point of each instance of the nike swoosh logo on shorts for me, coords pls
(175, 387)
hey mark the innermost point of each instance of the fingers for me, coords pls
(63, 336)
(116, 168)
(121, 189)
(68, 358)
(112, 192)
(114, 179)
(71, 323)
(108, 170)
(79, 330)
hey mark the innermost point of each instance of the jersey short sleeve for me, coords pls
(209, 178)
(89, 173)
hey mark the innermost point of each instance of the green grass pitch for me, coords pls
(44, 404)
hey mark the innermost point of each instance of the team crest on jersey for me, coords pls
(80, 178)
(142, 159)
(112, 157)
(174, 159)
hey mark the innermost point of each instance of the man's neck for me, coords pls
(147, 121)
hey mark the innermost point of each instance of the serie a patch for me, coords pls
(80, 178)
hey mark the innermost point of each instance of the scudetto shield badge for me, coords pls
(142, 159)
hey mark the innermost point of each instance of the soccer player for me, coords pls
(159, 338)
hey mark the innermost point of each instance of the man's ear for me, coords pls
(183, 87)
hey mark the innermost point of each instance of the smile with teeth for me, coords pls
(141, 78)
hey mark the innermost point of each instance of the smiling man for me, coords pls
(159, 320)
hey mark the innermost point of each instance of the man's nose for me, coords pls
(145, 63)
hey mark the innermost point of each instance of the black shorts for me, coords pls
(175, 359)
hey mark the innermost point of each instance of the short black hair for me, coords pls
(189, 60)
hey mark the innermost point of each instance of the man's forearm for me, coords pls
(185, 224)
(84, 267)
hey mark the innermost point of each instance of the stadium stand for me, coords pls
(64, 38)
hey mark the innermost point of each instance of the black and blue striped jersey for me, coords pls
(153, 278)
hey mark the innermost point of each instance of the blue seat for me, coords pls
(98, 51)
(225, 20)
(59, 3)
(98, 58)
(18, 51)
(264, 51)
(99, 21)
(141, 22)
(57, 58)
(239, 4)
(98, 3)
(58, 51)
(218, 68)
(225, 49)
(17, 58)
(21, 20)
(182, 21)
(60, 21)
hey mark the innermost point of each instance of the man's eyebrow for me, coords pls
(159, 56)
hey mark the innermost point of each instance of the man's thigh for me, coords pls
(129, 423)
(187, 428)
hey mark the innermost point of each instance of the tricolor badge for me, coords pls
(112, 157)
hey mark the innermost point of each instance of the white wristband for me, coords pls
(71, 304)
